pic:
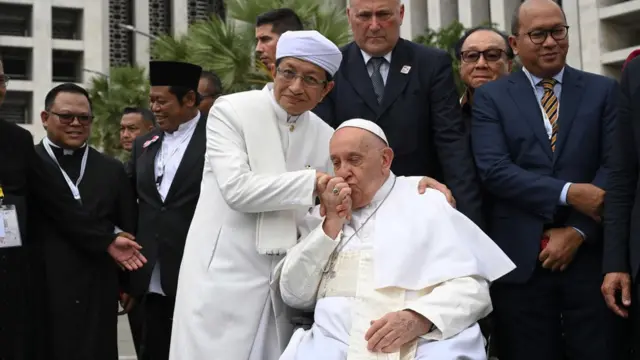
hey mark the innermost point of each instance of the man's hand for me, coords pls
(126, 253)
(613, 284)
(586, 198)
(322, 179)
(127, 302)
(562, 246)
(427, 182)
(336, 199)
(389, 333)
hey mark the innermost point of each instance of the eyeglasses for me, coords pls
(489, 55)
(291, 75)
(4, 80)
(540, 36)
(67, 119)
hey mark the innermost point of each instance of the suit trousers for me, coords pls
(136, 323)
(156, 332)
(558, 315)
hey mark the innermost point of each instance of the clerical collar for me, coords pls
(184, 127)
(66, 151)
(280, 112)
(384, 189)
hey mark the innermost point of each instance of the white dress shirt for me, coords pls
(167, 161)
(384, 68)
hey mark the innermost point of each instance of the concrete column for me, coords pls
(179, 17)
(572, 10)
(41, 62)
(441, 13)
(415, 18)
(502, 12)
(473, 12)
(141, 43)
(95, 36)
(590, 35)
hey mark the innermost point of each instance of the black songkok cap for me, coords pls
(173, 73)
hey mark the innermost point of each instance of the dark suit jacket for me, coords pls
(518, 168)
(420, 115)
(30, 183)
(622, 202)
(163, 226)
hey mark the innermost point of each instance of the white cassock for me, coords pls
(260, 163)
(416, 252)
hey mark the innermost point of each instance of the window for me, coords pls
(17, 62)
(67, 66)
(17, 107)
(66, 23)
(15, 20)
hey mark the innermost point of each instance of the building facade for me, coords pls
(45, 42)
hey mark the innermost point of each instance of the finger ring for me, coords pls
(336, 191)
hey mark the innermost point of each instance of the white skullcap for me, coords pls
(311, 46)
(370, 126)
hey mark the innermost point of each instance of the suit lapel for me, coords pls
(358, 76)
(525, 99)
(569, 101)
(396, 80)
(147, 163)
(192, 155)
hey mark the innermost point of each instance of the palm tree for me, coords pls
(125, 86)
(227, 48)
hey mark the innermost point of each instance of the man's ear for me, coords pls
(272, 69)
(44, 118)
(387, 157)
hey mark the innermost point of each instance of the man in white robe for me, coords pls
(407, 277)
(265, 152)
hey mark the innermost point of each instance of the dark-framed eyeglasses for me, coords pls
(489, 55)
(4, 80)
(291, 75)
(67, 119)
(540, 36)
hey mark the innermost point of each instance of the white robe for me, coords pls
(453, 305)
(225, 308)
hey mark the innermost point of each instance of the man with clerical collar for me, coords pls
(382, 280)
(82, 282)
(265, 154)
(167, 165)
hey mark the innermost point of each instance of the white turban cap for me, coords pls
(311, 46)
(370, 126)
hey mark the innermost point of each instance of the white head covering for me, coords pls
(311, 46)
(370, 126)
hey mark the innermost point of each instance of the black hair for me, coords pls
(458, 45)
(329, 77)
(281, 20)
(515, 19)
(65, 88)
(181, 91)
(215, 85)
(147, 115)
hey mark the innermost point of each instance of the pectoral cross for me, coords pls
(292, 127)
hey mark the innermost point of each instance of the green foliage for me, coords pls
(125, 86)
(446, 39)
(228, 48)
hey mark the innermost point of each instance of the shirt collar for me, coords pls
(368, 57)
(384, 189)
(65, 151)
(280, 112)
(184, 127)
(465, 100)
(536, 80)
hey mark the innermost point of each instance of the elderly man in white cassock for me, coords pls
(265, 154)
(403, 276)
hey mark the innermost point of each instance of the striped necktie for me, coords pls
(550, 105)
(376, 77)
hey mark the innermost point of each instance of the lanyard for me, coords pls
(73, 187)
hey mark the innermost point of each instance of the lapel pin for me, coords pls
(405, 69)
(149, 142)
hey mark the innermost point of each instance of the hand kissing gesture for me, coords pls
(336, 199)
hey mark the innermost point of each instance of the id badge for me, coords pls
(9, 228)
